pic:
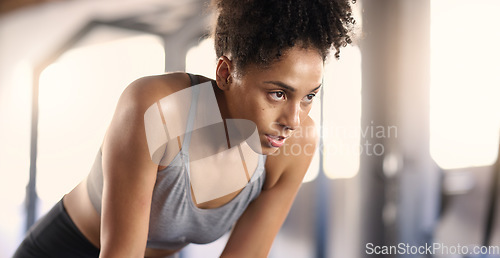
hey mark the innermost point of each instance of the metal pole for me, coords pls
(322, 194)
(31, 195)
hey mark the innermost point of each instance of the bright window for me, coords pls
(78, 95)
(465, 82)
(201, 59)
(342, 115)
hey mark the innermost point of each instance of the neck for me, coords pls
(237, 131)
(221, 101)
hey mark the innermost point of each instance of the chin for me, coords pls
(268, 150)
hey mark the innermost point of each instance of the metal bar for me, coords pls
(31, 195)
(322, 194)
(494, 191)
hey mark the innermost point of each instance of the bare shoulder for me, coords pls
(131, 121)
(147, 90)
(294, 157)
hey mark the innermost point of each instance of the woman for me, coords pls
(132, 204)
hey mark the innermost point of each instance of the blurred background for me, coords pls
(409, 115)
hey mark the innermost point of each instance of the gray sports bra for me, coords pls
(175, 220)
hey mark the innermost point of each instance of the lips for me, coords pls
(275, 141)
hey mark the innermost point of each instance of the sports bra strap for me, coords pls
(194, 79)
(190, 121)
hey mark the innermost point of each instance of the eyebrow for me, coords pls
(288, 87)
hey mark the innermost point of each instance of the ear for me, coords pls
(223, 72)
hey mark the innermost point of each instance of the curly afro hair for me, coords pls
(260, 31)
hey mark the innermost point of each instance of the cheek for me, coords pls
(256, 107)
(263, 117)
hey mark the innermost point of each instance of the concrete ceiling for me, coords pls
(156, 16)
(12, 5)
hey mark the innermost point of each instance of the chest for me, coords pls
(175, 218)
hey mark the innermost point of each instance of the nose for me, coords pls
(291, 116)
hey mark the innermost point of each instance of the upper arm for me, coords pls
(129, 175)
(256, 229)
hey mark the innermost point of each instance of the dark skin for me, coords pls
(277, 99)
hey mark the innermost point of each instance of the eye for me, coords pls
(277, 95)
(309, 98)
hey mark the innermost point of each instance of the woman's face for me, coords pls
(277, 99)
